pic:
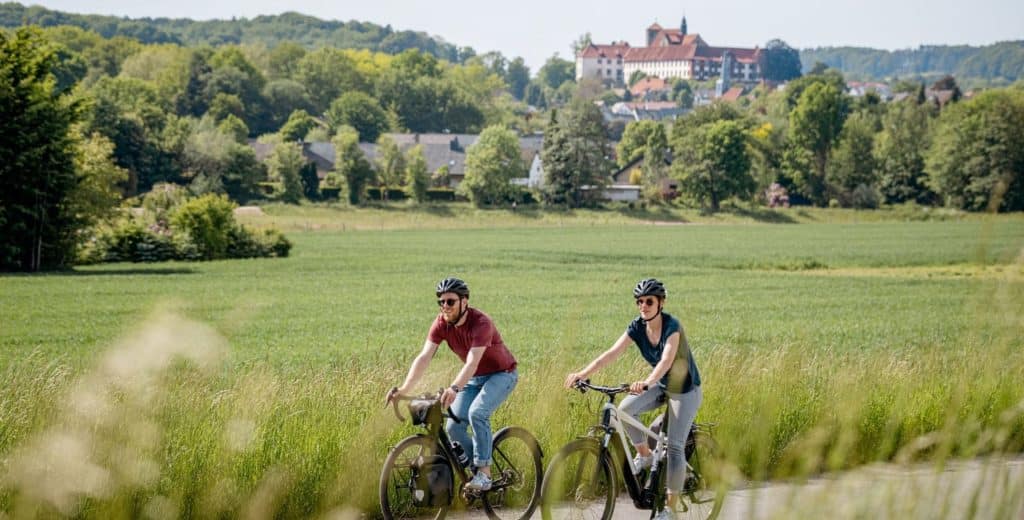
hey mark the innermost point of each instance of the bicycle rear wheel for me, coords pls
(407, 488)
(580, 483)
(705, 489)
(517, 474)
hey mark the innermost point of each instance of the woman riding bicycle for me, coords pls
(485, 381)
(662, 343)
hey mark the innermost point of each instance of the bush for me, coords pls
(208, 221)
(130, 241)
(244, 243)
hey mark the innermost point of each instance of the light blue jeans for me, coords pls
(682, 410)
(478, 401)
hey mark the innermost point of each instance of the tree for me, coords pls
(327, 73)
(712, 164)
(283, 97)
(491, 164)
(581, 43)
(977, 159)
(634, 140)
(360, 111)
(851, 173)
(417, 177)
(390, 164)
(299, 124)
(517, 78)
(285, 164)
(351, 163)
(95, 196)
(781, 62)
(556, 71)
(814, 126)
(37, 156)
(215, 162)
(577, 163)
(900, 153)
(682, 93)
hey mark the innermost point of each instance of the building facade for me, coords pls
(670, 53)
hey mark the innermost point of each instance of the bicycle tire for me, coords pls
(398, 477)
(581, 473)
(706, 489)
(517, 469)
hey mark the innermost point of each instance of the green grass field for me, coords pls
(241, 387)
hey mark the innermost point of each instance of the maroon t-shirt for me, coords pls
(477, 331)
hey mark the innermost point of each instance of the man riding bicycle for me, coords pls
(662, 343)
(485, 381)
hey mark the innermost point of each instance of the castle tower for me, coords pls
(682, 26)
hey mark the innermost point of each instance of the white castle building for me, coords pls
(670, 53)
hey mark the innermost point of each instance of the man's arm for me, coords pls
(419, 365)
(472, 361)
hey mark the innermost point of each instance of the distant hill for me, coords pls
(306, 30)
(1001, 62)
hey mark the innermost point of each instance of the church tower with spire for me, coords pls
(682, 26)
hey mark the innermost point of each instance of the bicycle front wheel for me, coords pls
(705, 489)
(517, 473)
(413, 483)
(580, 483)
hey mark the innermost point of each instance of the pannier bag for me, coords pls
(431, 481)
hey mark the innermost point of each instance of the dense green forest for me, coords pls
(990, 65)
(268, 30)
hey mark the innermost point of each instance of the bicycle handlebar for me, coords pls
(584, 384)
(394, 397)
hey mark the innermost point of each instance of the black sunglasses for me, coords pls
(447, 301)
(649, 301)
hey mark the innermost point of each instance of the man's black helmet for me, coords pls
(453, 285)
(649, 287)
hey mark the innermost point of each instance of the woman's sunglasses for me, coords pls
(447, 301)
(646, 301)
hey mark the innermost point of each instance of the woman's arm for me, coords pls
(601, 361)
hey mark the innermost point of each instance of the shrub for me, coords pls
(208, 221)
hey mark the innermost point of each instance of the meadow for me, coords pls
(255, 387)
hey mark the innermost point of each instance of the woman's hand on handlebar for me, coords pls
(571, 379)
(638, 387)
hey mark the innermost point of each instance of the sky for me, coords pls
(538, 29)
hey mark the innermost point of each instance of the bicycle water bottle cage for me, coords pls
(425, 412)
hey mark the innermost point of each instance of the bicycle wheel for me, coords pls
(412, 483)
(517, 474)
(705, 489)
(580, 483)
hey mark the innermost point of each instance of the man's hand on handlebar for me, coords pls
(391, 396)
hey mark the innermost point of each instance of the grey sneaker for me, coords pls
(480, 482)
(641, 463)
(665, 514)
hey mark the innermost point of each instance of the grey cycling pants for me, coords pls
(682, 410)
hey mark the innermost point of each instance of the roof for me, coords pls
(648, 84)
(615, 49)
(732, 94)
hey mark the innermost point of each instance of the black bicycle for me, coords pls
(582, 480)
(418, 479)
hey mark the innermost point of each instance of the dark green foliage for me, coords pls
(351, 164)
(815, 124)
(310, 181)
(299, 124)
(712, 164)
(900, 153)
(360, 111)
(37, 153)
(977, 160)
(852, 168)
(781, 62)
(556, 71)
(308, 31)
(577, 157)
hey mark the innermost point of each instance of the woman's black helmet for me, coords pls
(649, 287)
(452, 285)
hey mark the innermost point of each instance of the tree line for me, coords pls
(987, 65)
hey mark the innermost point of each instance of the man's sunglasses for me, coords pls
(447, 301)
(646, 301)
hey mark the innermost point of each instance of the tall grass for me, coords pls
(254, 388)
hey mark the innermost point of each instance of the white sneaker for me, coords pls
(641, 463)
(665, 514)
(480, 482)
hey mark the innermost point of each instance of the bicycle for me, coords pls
(418, 475)
(583, 477)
